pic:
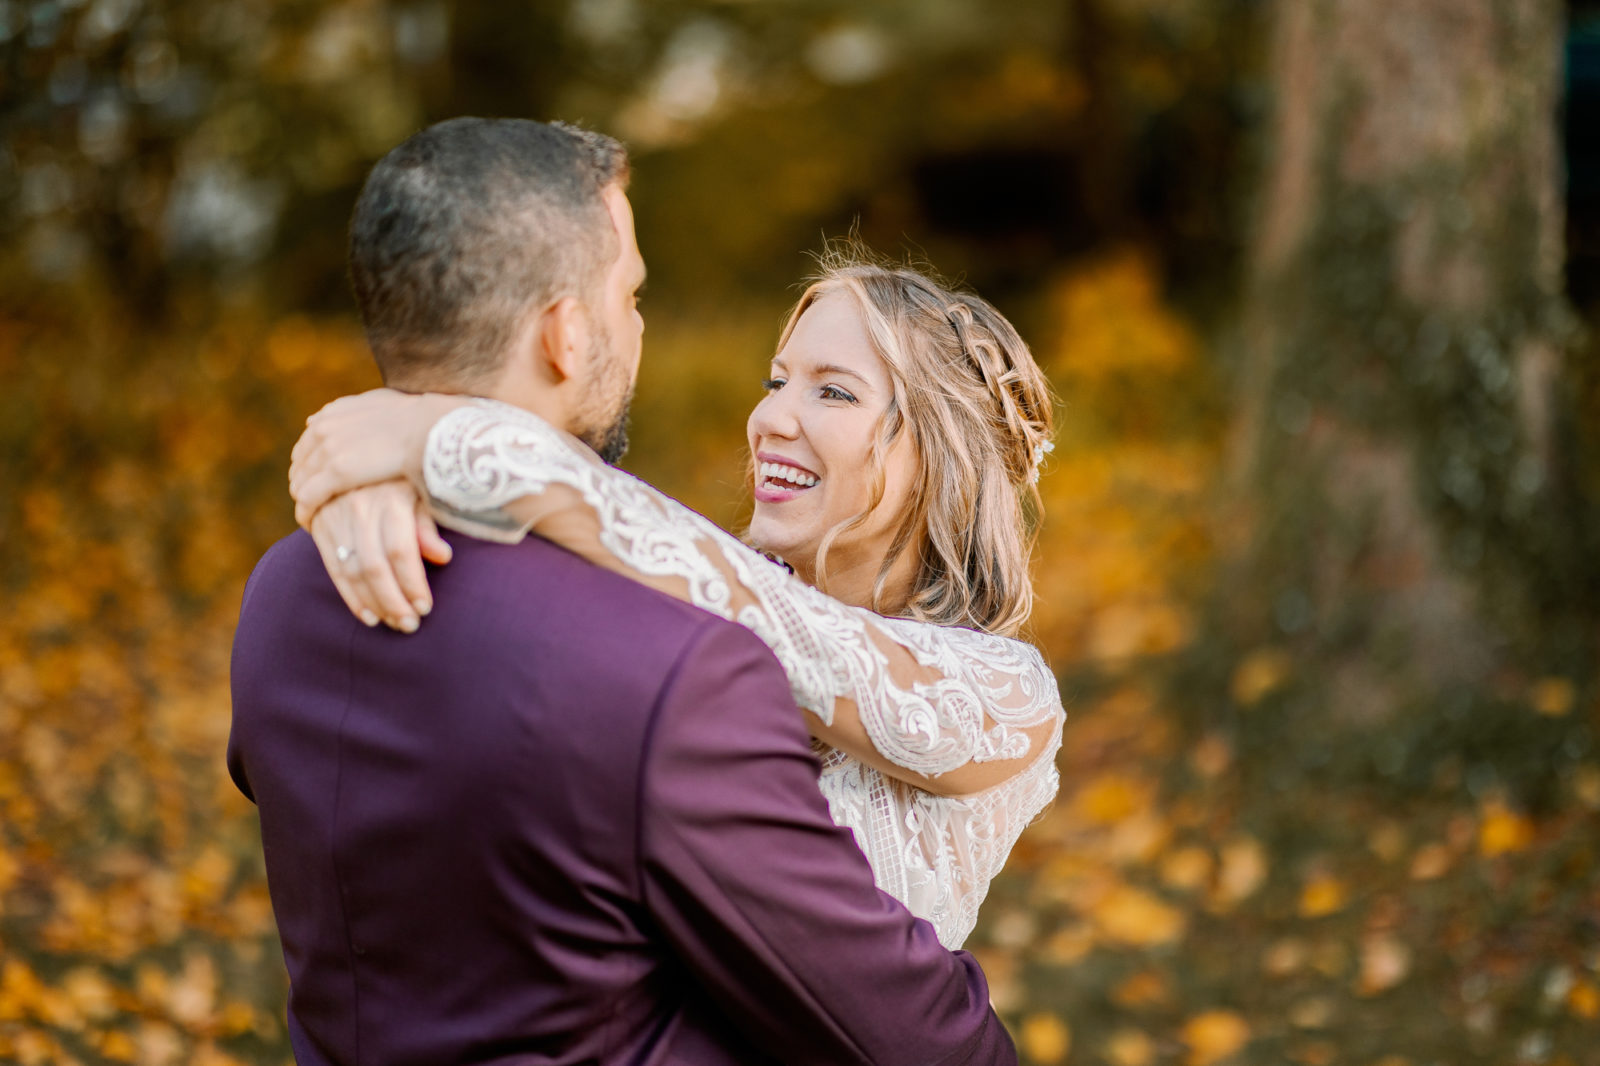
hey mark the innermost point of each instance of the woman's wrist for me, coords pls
(430, 408)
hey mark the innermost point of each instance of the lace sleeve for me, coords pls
(900, 695)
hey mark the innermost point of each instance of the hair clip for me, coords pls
(1039, 452)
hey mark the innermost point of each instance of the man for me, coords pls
(570, 820)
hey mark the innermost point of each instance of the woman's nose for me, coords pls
(774, 416)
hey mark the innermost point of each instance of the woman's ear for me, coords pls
(561, 340)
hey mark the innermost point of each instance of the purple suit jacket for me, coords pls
(569, 821)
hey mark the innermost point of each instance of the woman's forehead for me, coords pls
(832, 332)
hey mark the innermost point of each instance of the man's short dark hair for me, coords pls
(468, 226)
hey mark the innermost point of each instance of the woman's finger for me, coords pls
(405, 551)
(348, 526)
(328, 548)
(377, 569)
(434, 547)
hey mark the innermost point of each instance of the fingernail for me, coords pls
(369, 618)
(422, 606)
(449, 553)
(409, 623)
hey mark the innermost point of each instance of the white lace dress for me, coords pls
(928, 699)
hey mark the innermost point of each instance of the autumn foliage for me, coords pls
(1229, 877)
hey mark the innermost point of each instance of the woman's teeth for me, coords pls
(780, 472)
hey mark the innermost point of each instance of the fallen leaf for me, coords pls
(1322, 895)
(1111, 798)
(1312, 1012)
(1144, 989)
(1258, 675)
(1045, 1038)
(1583, 999)
(1503, 831)
(1552, 697)
(1214, 1035)
(1186, 869)
(1129, 1047)
(1285, 957)
(1385, 962)
(1431, 861)
(1244, 868)
(1130, 915)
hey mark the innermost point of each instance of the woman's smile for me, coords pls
(780, 479)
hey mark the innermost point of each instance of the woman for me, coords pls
(895, 458)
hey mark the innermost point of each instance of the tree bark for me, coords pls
(1399, 457)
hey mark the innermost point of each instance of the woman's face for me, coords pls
(812, 441)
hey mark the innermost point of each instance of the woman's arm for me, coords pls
(949, 716)
(896, 694)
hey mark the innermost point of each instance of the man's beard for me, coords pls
(611, 444)
(609, 438)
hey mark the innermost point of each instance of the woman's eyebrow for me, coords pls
(835, 368)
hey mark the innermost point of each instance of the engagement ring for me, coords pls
(344, 553)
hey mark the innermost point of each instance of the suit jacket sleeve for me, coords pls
(768, 902)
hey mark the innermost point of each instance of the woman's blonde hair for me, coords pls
(979, 412)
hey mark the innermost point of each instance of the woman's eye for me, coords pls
(772, 384)
(834, 392)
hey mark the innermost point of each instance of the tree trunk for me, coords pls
(1406, 525)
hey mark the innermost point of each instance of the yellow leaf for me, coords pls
(1211, 756)
(1214, 1035)
(1322, 895)
(118, 1046)
(91, 994)
(1503, 831)
(1131, 915)
(1258, 675)
(1110, 798)
(1186, 869)
(1070, 944)
(1586, 786)
(1312, 1012)
(1552, 696)
(1387, 841)
(1244, 868)
(1129, 1047)
(1045, 1038)
(1285, 957)
(192, 995)
(34, 1048)
(1138, 838)
(1145, 988)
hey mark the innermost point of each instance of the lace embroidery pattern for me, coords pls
(972, 698)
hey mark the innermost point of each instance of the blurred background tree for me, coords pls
(1317, 283)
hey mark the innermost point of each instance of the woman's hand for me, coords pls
(372, 541)
(362, 440)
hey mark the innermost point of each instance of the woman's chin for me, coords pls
(774, 537)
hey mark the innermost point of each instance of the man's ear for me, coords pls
(561, 339)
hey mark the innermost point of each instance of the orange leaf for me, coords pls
(1045, 1038)
(1129, 1047)
(1552, 697)
(1214, 1035)
(1258, 675)
(1503, 831)
(1322, 895)
(1131, 915)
